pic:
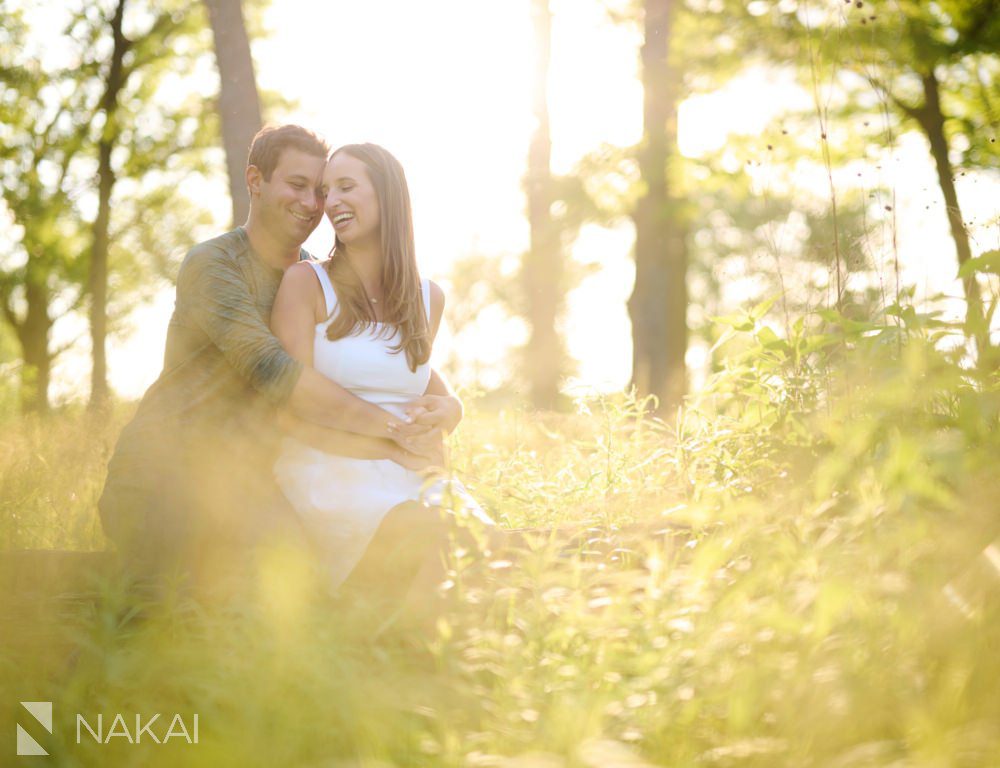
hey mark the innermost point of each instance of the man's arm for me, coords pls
(336, 441)
(349, 444)
(316, 398)
(221, 305)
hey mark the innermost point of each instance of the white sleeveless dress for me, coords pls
(342, 500)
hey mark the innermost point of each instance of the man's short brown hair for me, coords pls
(272, 140)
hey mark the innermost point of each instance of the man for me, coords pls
(190, 480)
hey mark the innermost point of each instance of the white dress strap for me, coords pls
(425, 287)
(329, 295)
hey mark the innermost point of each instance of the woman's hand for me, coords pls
(438, 411)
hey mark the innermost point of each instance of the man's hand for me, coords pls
(437, 411)
(413, 461)
(421, 451)
(430, 444)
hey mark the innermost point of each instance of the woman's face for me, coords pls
(351, 200)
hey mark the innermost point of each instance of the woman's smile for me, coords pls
(341, 219)
(351, 201)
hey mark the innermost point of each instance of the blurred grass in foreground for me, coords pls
(784, 605)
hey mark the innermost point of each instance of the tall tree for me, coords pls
(41, 263)
(98, 284)
(933, 67)
(239, 101)
(658, 305)
(542, 273)
(146, 65)
(956, 40)
(75, 240)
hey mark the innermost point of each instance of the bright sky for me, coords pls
(446, 86)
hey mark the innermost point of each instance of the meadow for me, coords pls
(788, 572)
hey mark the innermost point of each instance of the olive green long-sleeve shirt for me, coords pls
(202, 440)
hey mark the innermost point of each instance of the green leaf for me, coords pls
(737, 322)
(723, 338)
(988, 263)
(763, 307)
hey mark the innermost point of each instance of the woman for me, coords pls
(366, 320)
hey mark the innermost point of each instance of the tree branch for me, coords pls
(908, 109)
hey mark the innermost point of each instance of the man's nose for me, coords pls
(314, 200)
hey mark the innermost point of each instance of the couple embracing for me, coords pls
(296, 401)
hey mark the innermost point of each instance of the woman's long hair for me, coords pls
(403, 303)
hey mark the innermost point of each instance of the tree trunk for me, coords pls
(931, 120)
(542, 273)
(98, 283)
(658, 305)
(239, 103)
(33, 335)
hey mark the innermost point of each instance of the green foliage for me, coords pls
(51, 121)
(845, 49)
(760, 583)
(986, 263)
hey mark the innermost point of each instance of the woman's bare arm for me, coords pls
(439, 407)
(315, 398)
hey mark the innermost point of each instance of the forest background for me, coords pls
(806, 397)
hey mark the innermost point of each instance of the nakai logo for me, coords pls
(150, 729)
(119, 728)
(42, 712)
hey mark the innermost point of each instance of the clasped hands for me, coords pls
(420, 436)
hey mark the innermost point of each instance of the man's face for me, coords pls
(290, 205)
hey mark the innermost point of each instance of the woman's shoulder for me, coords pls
(436, 292)
(436, 309)
(301, 282)
(301, 274)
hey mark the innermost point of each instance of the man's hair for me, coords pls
(272, 140)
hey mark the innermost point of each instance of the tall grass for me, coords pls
(51, 476)
(787, 574)
(761, 584)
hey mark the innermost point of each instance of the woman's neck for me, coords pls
(367, 263)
